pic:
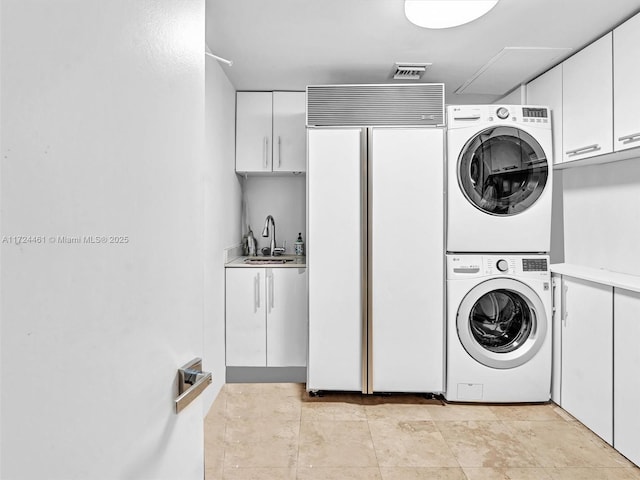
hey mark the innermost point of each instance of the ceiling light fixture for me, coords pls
(446, 13)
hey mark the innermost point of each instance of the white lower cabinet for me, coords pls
(556, 337)
(266, 317)
(587, 354)
(626, 385)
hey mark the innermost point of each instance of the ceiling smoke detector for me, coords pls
(409, 71)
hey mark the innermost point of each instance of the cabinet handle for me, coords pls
(256, 293)
(266, 152)
(634, 137)
(589, 148)
(272, 293)
(565, 314)
(279, 152)
(554, 286)
(270, 289)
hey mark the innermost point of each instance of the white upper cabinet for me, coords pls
(270, 132)
(289, 132)
(547, 90)
(254, 127)
(588, 101)
(626, 70)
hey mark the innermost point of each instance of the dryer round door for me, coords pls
(502, 170)
(502, 323)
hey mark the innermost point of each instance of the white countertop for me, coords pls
(296, 262)
(598, 275)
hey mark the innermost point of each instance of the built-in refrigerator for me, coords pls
(375, 257)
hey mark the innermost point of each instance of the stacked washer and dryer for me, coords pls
(499, 181)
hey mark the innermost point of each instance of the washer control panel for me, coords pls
(534, 265)
(473, 265)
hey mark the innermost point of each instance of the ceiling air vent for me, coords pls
(409, 71)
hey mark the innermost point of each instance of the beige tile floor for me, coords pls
(273, 431)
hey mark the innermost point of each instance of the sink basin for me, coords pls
(268, 260)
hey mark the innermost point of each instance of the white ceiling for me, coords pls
(289, 44)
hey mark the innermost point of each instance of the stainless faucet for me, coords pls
(266, 231)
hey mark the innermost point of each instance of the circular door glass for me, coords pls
(502, 170)
(501, 321)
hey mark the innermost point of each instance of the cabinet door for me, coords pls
(556, 339)
(547, 90)
(286, 317)
(253, 131)
(334, 250)
(627, 382)
(246, 317)
(407, 206)
(626, 94)
(588, 101)
(587, 354)
(289, 132)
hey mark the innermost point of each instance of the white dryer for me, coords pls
(498, 328)
(499, 178)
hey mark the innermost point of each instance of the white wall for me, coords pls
(222, 215)
(557, 219)
(602, 216)
(102, 134)
(284, 198)
(1, 205)
(516, 97)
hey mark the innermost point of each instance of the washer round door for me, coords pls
(502, 170)
(502, 323)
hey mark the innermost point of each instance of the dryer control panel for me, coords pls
(462, 116)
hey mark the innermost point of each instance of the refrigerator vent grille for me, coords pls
(416, 104)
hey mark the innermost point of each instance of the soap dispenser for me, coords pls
(298, 246)
(252, 244)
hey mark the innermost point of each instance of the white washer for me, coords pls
(498, 328)
(499, 178)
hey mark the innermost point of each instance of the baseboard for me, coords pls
(266, 374)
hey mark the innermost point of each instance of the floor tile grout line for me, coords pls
(524, 445)
(299, 436)
(224, 438)
(373, 444)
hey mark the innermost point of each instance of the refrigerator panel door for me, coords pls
(407, 318)
(334, 262)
